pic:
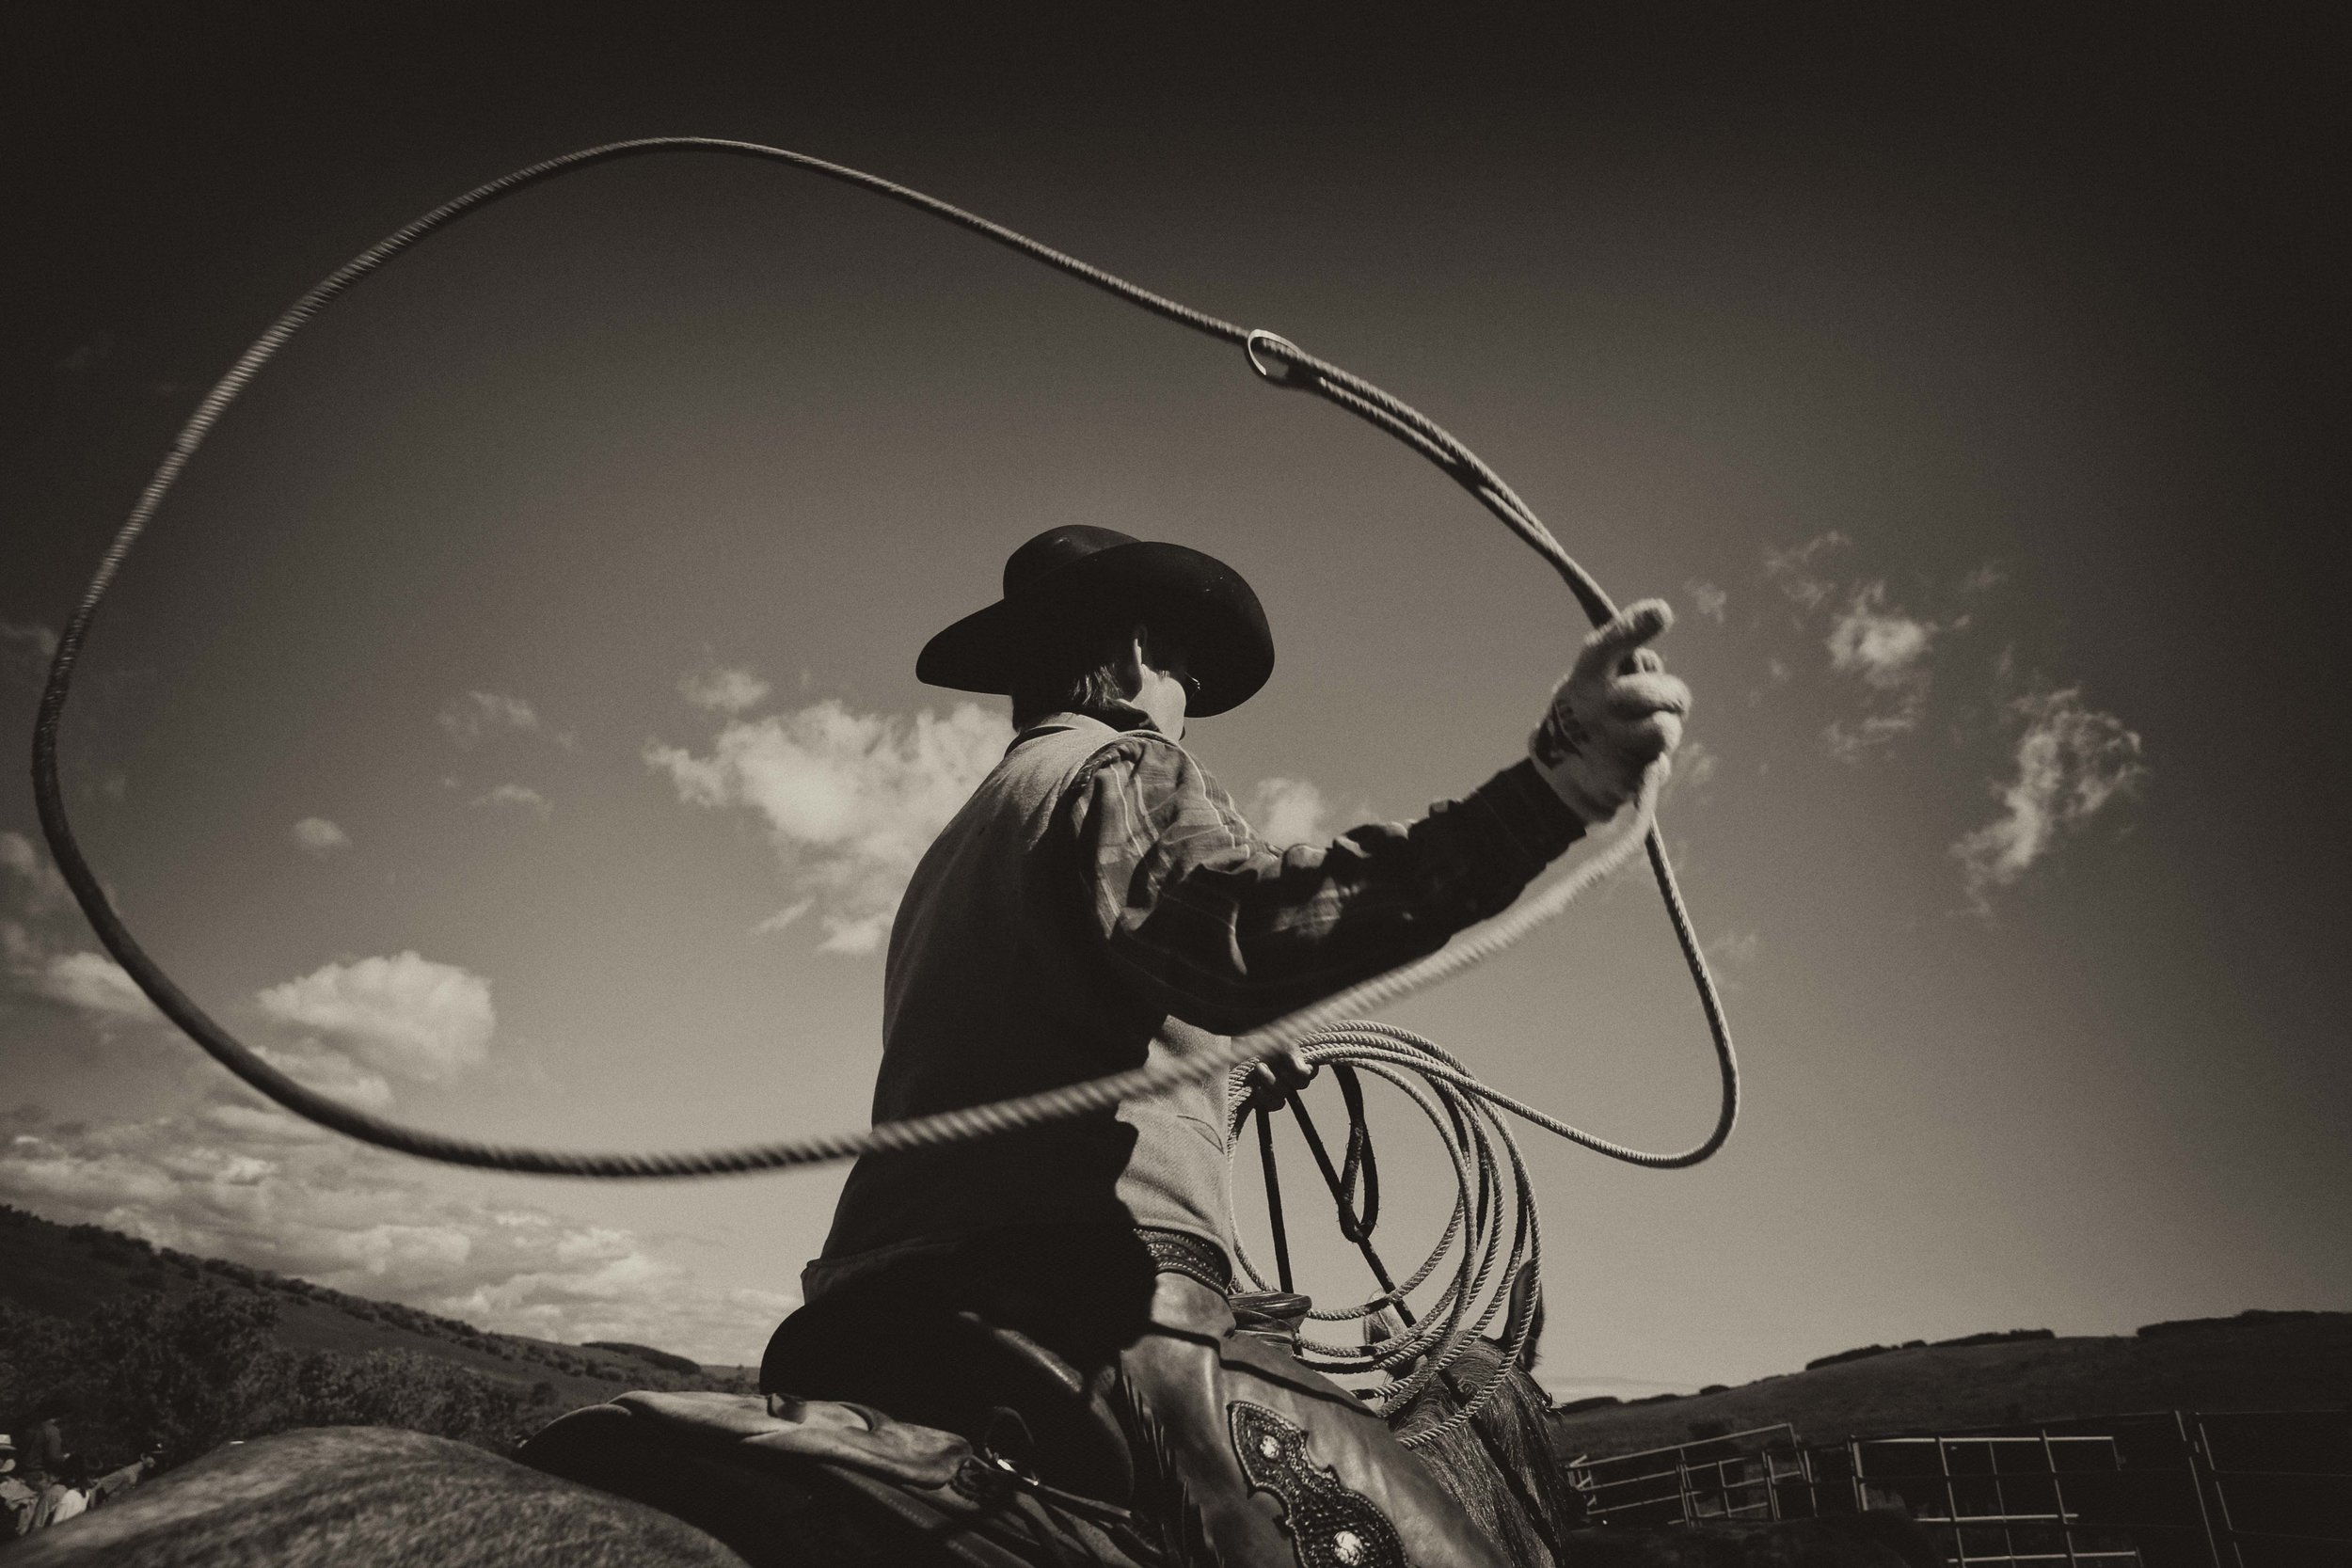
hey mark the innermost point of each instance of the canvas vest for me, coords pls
(997, 984)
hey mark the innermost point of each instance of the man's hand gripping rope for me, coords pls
(1614, 716)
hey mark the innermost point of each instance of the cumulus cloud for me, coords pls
(2071, 762)
(851, 799)
(257, 1187)
(40, 963)
(1708, 600)
(320, 836)
(724, 690)
(38, 888)
(516, 795)
(1888, 650)
(91, 983)
(405, 1014)
(317, 1065)
(477, 716)
(1795, 572)
(1287, 812)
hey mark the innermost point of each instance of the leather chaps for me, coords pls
(1107, 1367)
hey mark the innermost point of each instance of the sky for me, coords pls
(510, 723)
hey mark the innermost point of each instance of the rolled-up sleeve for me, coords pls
(1213, 925)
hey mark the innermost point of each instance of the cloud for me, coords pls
(477, 716)
(405, 1014)
(1850, 740)
(2072, 761)
(251, 1184)
(26, 648)
(851, 799)
(1792, 570)
(1735, 949)
(329, 1071)
(516, 795)
(783, 917)
(724, 690)
(1287, 812)
(1888, 650)
(1708, 600)
(320, 836)
(38, 962)
(1696, 763)
(1986, 577)
(91, 983)
(1885, 647)
(42, 889)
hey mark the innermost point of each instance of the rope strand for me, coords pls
(1273, 356)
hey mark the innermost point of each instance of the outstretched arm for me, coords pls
(1225, 932)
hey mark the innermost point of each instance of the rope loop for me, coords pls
(1465, 1113)
(1356, 1221)
(1293, 368)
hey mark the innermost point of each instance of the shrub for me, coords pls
(186, 1375)
(403, 1388)
(2002, 1337)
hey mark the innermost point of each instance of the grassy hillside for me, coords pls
(66, 1270)
(2259, 1361)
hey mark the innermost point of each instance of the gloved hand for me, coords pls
(1615, 713)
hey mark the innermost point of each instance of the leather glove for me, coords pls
(1615, 713)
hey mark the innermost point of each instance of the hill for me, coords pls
(67, 1272)
(2255, 1361)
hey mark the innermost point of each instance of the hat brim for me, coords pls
(1193, 598)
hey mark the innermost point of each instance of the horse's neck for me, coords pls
(1500, 1463)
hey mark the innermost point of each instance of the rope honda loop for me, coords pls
(1287, 370)
(1463, 1110)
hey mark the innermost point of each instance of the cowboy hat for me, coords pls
(1069, 580)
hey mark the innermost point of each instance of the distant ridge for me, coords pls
(662, 1358)
(2257, 1360)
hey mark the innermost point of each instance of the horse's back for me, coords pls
(367, 1497)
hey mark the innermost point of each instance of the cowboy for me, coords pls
(1059, 1294)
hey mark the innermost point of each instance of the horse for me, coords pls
(367, 1497)
(374, 1498)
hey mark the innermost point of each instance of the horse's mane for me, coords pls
(1501, 1465)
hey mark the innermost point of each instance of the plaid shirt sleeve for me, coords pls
(1218, 926)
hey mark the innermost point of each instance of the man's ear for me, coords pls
(1135, 659)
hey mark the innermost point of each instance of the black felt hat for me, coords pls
(1069, 581)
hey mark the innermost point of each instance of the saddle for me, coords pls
(803, 1482)
(997, 1452)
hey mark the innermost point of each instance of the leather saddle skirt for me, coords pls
(821, 1484)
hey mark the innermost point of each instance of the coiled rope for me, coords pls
(1490, 1275)
(1310, 1029)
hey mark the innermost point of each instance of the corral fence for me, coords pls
(2170, 1489)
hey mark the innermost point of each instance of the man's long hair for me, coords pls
(1082, 670)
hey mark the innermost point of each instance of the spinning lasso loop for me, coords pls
(1463, 1108)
